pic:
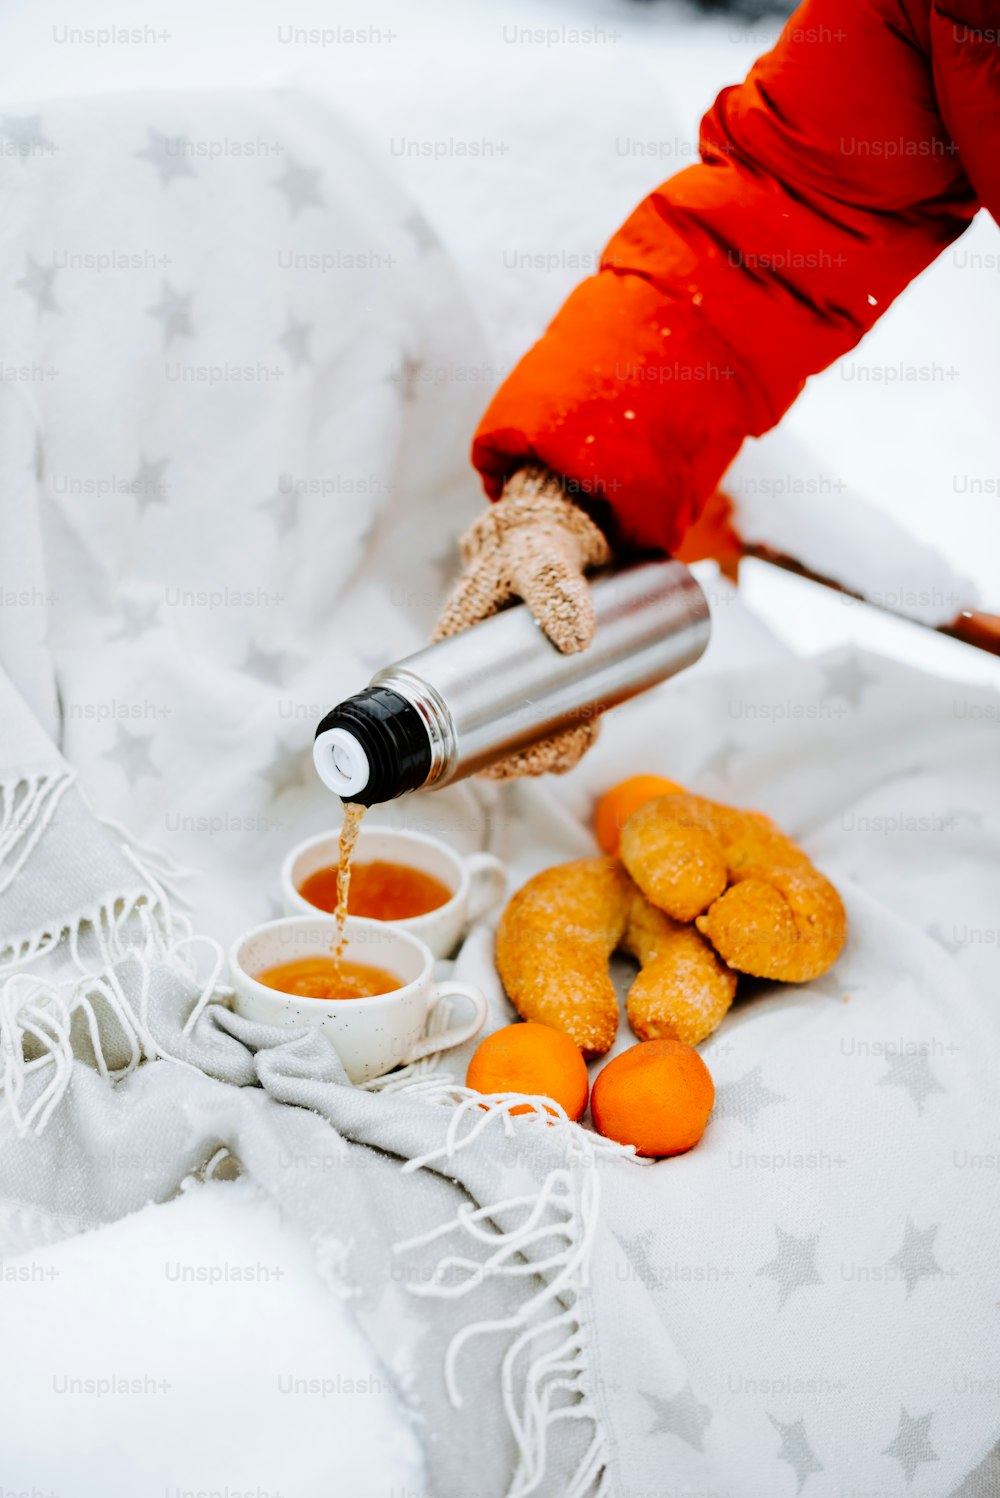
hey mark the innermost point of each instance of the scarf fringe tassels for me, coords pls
(544, 1234)
(140, 926)
(545, 1372)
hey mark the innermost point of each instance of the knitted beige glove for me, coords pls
(533, 544)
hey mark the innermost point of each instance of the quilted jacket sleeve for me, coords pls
(827, 181)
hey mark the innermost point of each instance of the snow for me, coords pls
(811, 619)
(246, 1374)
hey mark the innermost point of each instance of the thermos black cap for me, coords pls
(372, 747)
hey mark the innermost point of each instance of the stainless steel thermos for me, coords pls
(468, 701)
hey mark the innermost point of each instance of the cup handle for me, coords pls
(457, 1033)
(487, 884)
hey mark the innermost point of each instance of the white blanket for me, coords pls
(821, 1269)
(237, 387)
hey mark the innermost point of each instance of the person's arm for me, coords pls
(827, 183)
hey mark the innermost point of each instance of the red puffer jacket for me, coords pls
(854, 152)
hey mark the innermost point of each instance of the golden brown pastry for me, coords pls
(557, 936)
(749, 889)
(683, 990)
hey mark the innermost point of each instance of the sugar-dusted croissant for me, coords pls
(556, 938)
(766, 909)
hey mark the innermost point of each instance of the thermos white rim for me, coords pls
(341, 762)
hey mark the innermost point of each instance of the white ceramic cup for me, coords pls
(370, 1036)
(477, 880)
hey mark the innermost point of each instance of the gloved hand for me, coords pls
(534, 544)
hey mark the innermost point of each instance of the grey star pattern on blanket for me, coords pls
(720, 760)
(148, 484)
(295, 341)
(174, 312)
(406, 375)
(25, 132)
(136, 618)
(37, 282)
(834, 985)
(683, 1416)
(796, 1451)
(268, 665)
(745, 1098)
(300, 186)
(167, 154)
(943, 939)
(968, 814)
(846, 678)
(637, 1250)
(911, 1070)
(915, 1260)
(283, 504)
(286, 771)
(911, 1444)
(131, 752)
(421, 232)
(794, 1265)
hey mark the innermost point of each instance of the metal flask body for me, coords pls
(502, 684)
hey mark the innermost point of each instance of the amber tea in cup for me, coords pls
(402, 880)
(380, 890)
(323, 977)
